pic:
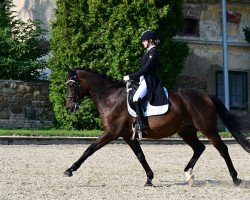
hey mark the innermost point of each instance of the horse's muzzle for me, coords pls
(73, 108)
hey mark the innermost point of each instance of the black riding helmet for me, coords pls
(149, 34)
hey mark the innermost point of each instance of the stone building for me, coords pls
(204, 65)
(203, 33)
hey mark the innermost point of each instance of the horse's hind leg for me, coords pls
(135, 146)
(223, 150)
(190, 137)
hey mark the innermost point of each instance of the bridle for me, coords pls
(75, 98)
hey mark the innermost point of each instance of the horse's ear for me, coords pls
(67, 68)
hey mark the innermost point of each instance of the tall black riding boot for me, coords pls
(140, 117)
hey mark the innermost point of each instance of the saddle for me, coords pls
(148, 109)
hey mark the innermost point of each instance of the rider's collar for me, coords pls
(150, 47)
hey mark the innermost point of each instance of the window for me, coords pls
(237, 89)
(191, 27)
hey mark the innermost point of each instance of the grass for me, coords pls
(69, 133)
(49, 132)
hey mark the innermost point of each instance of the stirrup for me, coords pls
(142, 125)
(137, 133)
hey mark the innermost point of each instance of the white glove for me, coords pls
(126, 78)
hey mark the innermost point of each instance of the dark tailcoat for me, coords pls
(149, 63)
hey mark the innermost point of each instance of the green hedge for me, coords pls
(104, 35)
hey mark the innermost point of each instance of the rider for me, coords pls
(150, 85)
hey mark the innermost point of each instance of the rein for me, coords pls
(76, 99)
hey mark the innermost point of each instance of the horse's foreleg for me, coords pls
(135, 146)
(99, 143)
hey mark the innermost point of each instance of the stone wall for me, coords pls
(25, 104)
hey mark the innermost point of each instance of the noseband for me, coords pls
(75, 98)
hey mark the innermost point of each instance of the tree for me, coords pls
(22, 44)
(105, 37)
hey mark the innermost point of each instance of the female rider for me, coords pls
(150, 85)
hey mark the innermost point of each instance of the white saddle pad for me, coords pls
(150, 110)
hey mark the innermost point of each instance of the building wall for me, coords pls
(206, 49)
(25, 104)
(36, 9)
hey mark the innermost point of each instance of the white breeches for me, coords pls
(141, 91)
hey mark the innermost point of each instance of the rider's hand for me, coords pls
(126, 78)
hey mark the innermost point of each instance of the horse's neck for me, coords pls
(110, 102)
(97, 85)
(102, 90)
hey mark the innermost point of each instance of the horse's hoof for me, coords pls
(191, 181)
(237, 182)
(148, 183)
(190, 177)
(68, 173)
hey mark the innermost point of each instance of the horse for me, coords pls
(190, 111)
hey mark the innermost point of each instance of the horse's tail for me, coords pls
(232, 123)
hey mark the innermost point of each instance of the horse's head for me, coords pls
(82, 82)
(75, 92)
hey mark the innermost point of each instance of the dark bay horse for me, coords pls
(190, 111)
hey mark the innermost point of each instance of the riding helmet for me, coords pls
(149, 34)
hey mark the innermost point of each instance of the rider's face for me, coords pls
(145, 43)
